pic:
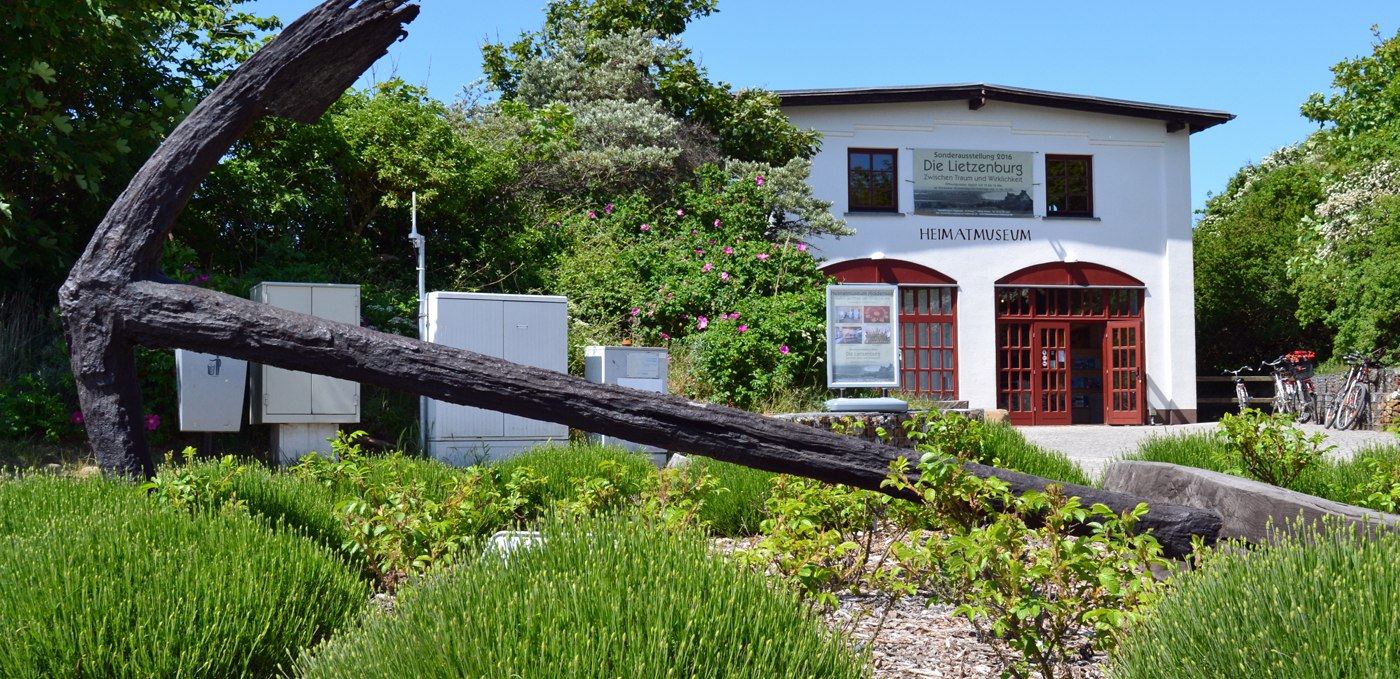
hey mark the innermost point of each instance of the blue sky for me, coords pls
(1257, 60)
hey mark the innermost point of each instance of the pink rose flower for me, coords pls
(783, 350)
(646, 227)
(743, 328)
(724, 275)
(702, 323)
(707, 266)
(762, 255)
(758, 180)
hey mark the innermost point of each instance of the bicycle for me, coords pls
(1301, 367)
(1241, 392)
(1288, 393)
(1354, 398)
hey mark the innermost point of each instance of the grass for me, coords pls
(738, 510)
(100, 581)
(1333, 479)
(601, 598)
(562, 466)
(1322, 605)
(1016, 453)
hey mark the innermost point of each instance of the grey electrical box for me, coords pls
(211, 391)
(642, 368)
(292, 397)
(527, 329)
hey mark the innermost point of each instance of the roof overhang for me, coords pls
(978, 94)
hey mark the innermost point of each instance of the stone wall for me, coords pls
(1385, 405)
(866, 424)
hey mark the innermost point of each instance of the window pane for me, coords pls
(883, 162)
(860, 161)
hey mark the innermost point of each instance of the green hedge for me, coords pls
(100, 582)
(603, 598)
(1325, 605)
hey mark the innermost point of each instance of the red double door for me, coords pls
(1039, 373)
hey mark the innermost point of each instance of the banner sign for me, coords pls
(966, 183)
(861, 336)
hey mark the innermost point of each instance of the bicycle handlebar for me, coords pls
(1236, 372)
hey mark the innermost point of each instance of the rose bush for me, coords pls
(720, 274)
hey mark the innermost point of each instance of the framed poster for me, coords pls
(862, 341)
(969, 183)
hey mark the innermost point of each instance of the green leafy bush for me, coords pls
(710, 276)
(33, 409)
(1268, 447)
(812, 534)
(1321, 605)
(404, 518)
(607, 597)
(100, 581)
(1016, 568)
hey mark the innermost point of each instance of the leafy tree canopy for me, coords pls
(1299, 251)
(87, 90)
(746, 125)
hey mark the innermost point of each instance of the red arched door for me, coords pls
(1069, 345)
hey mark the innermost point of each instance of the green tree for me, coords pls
(331, 200)
(87, 90)
(1246, 304)
(745, 125)
(1368, 91)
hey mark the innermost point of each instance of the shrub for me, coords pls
(563, 466)
(1011, 563)
(1268, 447)
(737, 509)
(603, 598)
(285, 499)
(1321, 605)
(99, 581)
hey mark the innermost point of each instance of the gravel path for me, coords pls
(1093, 447)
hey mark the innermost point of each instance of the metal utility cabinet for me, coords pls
(642, 368)
(527, 329)
(305, 406)
(211, 391)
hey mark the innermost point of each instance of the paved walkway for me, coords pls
(1094, 446)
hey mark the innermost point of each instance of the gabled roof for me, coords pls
(978, 94)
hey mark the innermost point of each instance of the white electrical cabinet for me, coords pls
(292, 397)
(211, 391)
(527, 329)
(642, 368)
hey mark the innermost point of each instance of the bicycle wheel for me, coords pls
(1353, 403)
(1307, 410)
(1283, 398)
(1242, 395)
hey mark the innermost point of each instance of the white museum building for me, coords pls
(1040, 242)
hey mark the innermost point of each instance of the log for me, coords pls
(115, 299)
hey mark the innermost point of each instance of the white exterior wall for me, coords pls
(1142, 224)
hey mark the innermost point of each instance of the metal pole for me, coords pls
(420, 244)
